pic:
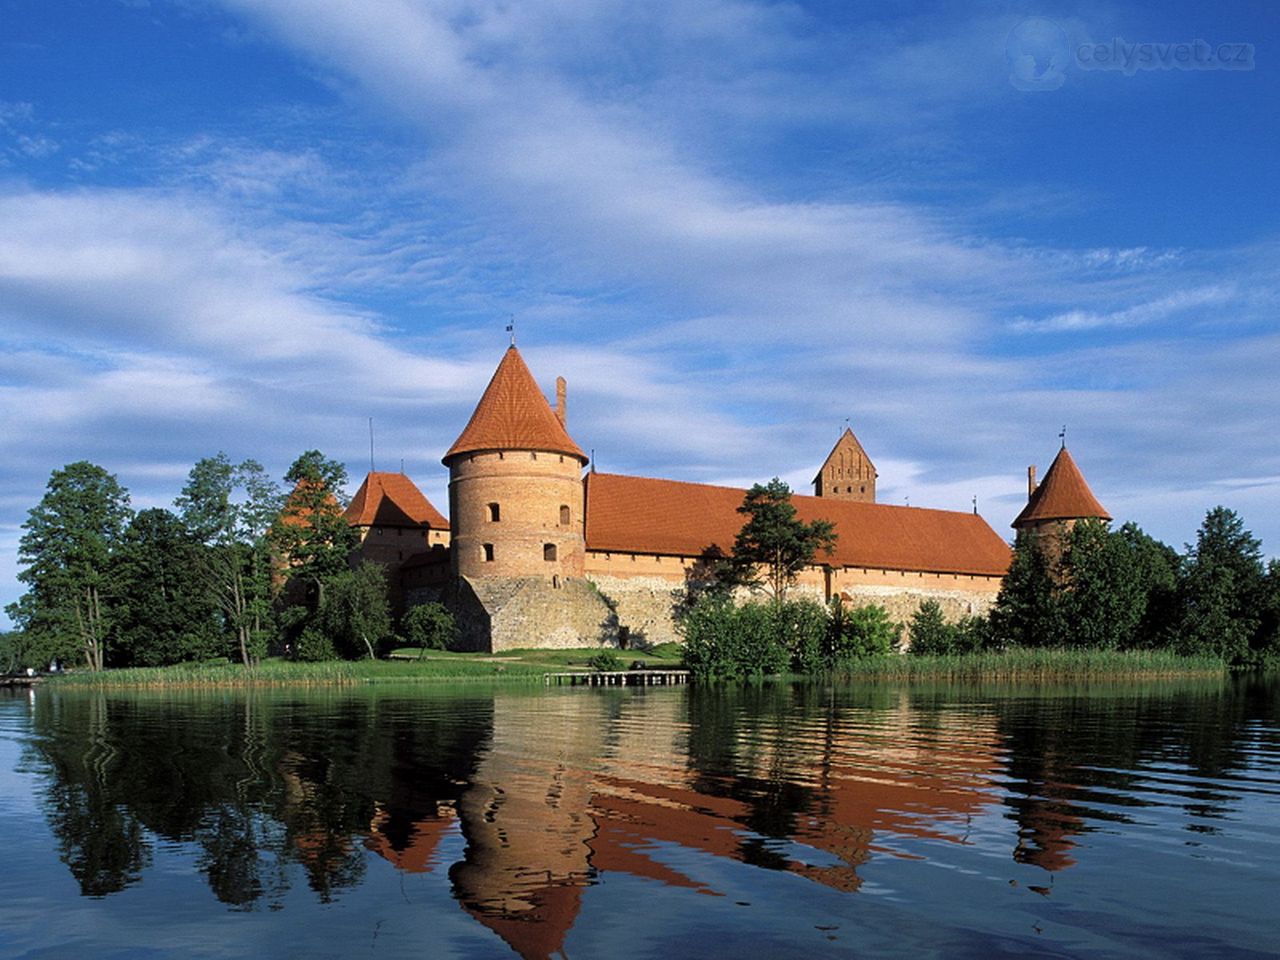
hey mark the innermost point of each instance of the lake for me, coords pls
(1097, 820)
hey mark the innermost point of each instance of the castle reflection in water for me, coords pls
(526, 799)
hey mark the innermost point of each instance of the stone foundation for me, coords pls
(522, 612)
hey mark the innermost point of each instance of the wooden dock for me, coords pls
(618, 678)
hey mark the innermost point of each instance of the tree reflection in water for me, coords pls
(550, 791)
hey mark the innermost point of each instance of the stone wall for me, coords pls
(513, 613)
(646, 591)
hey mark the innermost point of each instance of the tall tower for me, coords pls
(1054, 506)
(515, 484)
(848, 473)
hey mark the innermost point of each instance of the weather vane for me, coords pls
(1063, 436)
(511, 327)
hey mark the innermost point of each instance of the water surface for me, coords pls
(783, 821)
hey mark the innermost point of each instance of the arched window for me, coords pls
(564, 515)
(548, 551)
(488, 552)
(495, 513)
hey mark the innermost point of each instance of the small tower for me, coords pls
(848, 473)
(515, 484)
(1054, 506)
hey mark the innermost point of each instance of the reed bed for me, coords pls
(1040, 665)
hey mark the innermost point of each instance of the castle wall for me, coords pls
(647, 590)
(533, 491)
(519, 613)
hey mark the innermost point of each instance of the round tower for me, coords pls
(1056, 504)
(515, 484)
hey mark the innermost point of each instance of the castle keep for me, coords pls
(534, 553)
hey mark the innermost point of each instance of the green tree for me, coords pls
(429, 626)
(229, 508)
(354, 613)
(865, 631)
(1026, 612)
(67, 549)
(930, 633)
(165, 614)
(1155, 570)
(1221, 589)
(311, 534)
(1268, 645)
(774, 545)
(1102, 597)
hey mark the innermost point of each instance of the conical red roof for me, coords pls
(514, 415)
(1062, 495)
(392, 500)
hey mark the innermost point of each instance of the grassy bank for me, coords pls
(528, 666)
(436, 666)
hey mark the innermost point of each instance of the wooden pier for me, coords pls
(618, 678)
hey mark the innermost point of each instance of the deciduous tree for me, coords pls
(67, 551)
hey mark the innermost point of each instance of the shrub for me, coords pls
(429, 626)
(606, 661)
(729, 642)
(313, 645)
(866, 631)
(930, 633)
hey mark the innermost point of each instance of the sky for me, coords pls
(735, 227)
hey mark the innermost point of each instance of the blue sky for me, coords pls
(251, 225)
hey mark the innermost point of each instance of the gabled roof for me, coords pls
(1062, 495)
(847, 441)
(514, 415)
(392, 500)
(643, 515)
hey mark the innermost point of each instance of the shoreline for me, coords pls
(529, 667)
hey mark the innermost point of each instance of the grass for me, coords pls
(528, 666)
(1046, 665)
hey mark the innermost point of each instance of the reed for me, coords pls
(1040, 664)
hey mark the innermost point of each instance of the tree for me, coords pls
(865, 631)
(70, 538)
(354, 613)
(1221, 590)
(311, 534)
(1155, 569)
(774, 545)
(165, 612)
(1026, 611)
(930, 633)
(229, 508)
(1101, 595)
(429, 626)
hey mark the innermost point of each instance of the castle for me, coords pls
(536, 554)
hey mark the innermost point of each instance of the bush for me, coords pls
(606, 661)
(314, 645)
(861, 632)
(429, 626)
(730, 642)
(930, 633)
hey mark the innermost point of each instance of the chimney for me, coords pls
(560, 405)
(1031, 481)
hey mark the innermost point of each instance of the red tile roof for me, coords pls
(643, 515)
(392, 500)
(1062, 495)
(514, 415)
